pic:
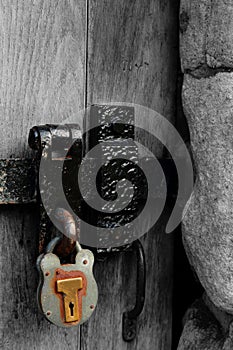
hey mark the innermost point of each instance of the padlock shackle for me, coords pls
(55, 241)
(68, 223)
(69, 227)
(52, 244)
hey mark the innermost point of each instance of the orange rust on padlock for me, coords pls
(63, 275)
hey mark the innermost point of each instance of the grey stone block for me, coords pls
(220, 34)
(204, 331)
(194, 16)
(206, 29)
(208, 224)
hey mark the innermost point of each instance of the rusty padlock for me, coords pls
(67, 293)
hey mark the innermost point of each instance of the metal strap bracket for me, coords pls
(18, 181)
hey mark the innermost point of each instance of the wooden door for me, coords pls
(56, 57)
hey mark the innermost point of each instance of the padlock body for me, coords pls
(67, 294)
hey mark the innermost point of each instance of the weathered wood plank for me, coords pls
(42, 61)
(42, 70)
(132, 57)
(22, 327)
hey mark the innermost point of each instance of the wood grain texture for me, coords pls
(42, 70)
(22, 327)
(42, 59)
(132, 53)
(132, 57)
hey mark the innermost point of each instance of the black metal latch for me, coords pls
(52, 179)
(61, 150)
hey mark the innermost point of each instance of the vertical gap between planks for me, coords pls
(86, 53)
(85, 100)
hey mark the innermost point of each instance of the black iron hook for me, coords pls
(130, 317)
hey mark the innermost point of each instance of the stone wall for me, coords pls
(206, 48)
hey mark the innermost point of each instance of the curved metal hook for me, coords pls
(130, 317)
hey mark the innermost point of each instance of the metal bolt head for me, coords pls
(34, 138)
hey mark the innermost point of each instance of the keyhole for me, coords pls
(71, 306)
